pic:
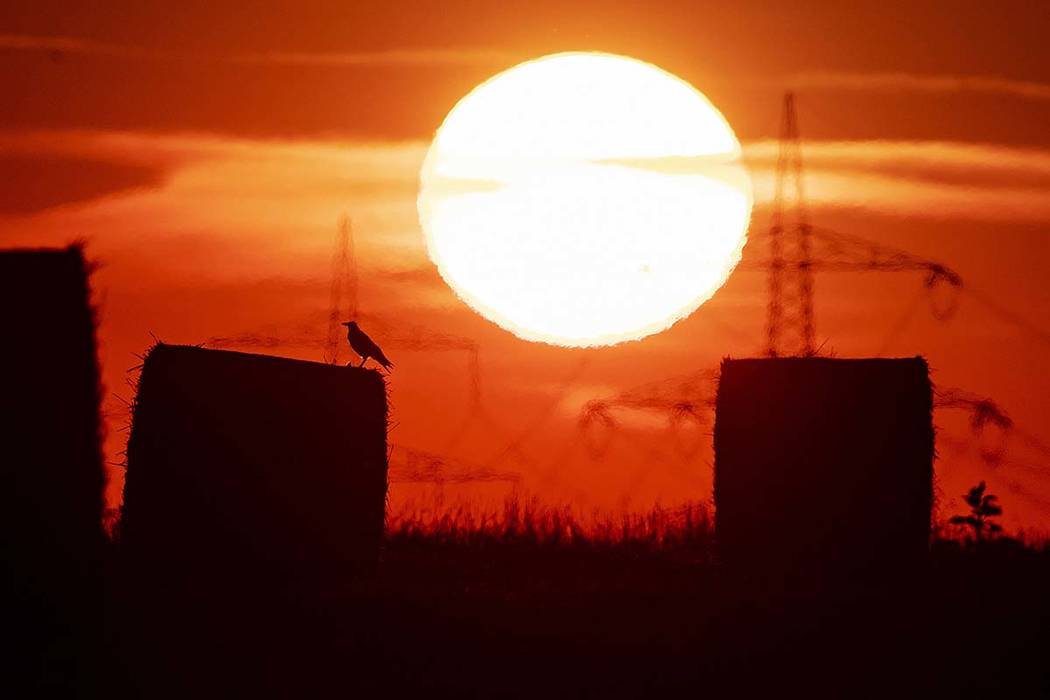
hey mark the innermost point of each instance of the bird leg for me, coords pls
(363, 361)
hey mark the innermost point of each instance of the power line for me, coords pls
(421, 466)
(1009, 315)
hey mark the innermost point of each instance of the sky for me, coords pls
(206, 153)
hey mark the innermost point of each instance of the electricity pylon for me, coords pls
(343, 294)
(798, 250)
(789, 322)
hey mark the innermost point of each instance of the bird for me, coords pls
(365, 346)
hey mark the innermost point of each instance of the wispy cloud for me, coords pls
(449, 56)
(922, 179)
(969, 163)
(919, 83)
(292, 191)
(66, 44)
(39, 182)
(392, 57)
(977, 182)
(489, 56)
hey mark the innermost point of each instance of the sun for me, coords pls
(584, 199)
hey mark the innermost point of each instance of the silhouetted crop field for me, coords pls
(532, 601)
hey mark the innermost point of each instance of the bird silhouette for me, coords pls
(365, 346)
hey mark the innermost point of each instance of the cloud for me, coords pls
(33, 184)
(452, 56)
(294, 190)
(65, 44)
(393, 57)
(61, 45)
(909, 82)
(939, 161)
(918, 179)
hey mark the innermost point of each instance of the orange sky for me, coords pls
(206, 155)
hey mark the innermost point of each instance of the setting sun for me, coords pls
(584, 199)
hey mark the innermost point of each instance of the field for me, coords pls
(532, 602)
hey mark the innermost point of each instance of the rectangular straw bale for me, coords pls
(245, 465)
(823, 464)
(51, 460)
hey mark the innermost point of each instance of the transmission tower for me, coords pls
(343, 294)
(789, 326)
(798, 250)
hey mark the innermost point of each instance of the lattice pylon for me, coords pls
(343, 294)
(790, 328)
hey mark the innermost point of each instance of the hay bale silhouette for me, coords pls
(51, 535)
(823, 465)
(254, 467)
(51, 522)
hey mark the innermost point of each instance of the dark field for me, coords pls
(529, 604)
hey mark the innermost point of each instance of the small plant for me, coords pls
(983, 507)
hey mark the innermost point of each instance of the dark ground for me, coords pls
(514, 619)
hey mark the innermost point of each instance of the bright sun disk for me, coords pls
(584, 199)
